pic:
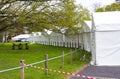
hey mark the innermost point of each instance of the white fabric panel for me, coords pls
(87, 41)
(93, 48)
(106, 44)
(108, 48)
(86, 35)
(108, 27)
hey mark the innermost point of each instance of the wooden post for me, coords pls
(13, 46)
(20, 46)
(84, 57)
(63, 59)
(75, 56)
(22, 69)
(26, 46)
(46, 63)
(72, 44)
(71, 56)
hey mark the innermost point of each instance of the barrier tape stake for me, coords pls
(22, 69)
(46, 63)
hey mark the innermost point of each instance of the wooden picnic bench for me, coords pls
(20, 46)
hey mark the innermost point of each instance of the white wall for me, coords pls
(108, 48)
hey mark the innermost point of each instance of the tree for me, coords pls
(4, 16)
(40, 15)
(78, 14)
(14, 13)
(63, 14)
(112, 7)
(9, 11)
(67, 14)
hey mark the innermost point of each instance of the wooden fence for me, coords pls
(46, 61)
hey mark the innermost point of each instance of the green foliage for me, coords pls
(71, 14)
(40, 15)
(10, 11)
(112, 7)
(99, 10)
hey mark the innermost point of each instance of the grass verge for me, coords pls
(11, 58)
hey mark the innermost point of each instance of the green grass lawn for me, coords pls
(11, 58)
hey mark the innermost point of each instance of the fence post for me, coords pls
(46, 64)
(63, 59)
(84, 57)
(22, 69)
(75, 54)
(71, 56)
(13, 46)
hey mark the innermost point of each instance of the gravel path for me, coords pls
(102, 72)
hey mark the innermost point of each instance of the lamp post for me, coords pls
(48, 32)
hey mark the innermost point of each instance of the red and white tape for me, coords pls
(61, 72)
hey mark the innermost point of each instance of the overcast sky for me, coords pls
(90, 3)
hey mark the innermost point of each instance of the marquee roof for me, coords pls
(106, 21)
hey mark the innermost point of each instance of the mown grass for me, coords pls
(11, 58)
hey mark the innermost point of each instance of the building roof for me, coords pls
(88, 26)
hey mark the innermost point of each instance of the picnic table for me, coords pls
(20, 46)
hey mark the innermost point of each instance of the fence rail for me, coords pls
(11, 69)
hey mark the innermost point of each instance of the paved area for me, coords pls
(101, 72)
